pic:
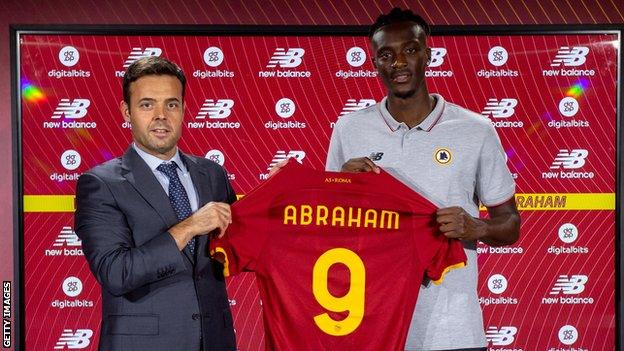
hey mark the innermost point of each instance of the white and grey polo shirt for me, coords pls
(454, 158)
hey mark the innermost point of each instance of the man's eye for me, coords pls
(145, 105)
(173, 105)
(410, 50)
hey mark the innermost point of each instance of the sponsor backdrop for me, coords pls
(252, 101)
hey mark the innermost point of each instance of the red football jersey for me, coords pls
(339, 257)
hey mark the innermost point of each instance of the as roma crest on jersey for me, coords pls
(443, 156)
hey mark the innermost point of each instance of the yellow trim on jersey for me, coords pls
(49, 203)
(226, 269)
(446, 270)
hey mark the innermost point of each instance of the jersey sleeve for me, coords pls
(495, 184)
(450, 255)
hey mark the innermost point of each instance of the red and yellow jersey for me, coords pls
(339, 257)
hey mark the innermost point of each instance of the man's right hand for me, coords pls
(214, 216)
(360, 164)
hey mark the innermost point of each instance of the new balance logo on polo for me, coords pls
(69, 339)
(572, 285)
(570, 56)
(286, 58)
(353, 105)
(500, 109)
(282, 155)
(570, 159)
(71, 109)
(67, 237)
(139, 53)
(215, 109)
(501, 337)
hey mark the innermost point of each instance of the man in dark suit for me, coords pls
(144, 220)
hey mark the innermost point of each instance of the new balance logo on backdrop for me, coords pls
(67, 237)
(573, 285)
(139, 53)
(282, 155)
(570, 159)
(500, 109)
(570, 56)
(437, 59)
(215, 109)
(66, 243)
(286, 59)
(69, 339)
(353, 105)
(73, 109)
(501, 337)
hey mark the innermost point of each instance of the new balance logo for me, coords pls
(74, 109)
(215, 109)
(67, 237)
(282, 155)
(570, 159)
(286, 59)
(500, 109)
(500, 337)
(574, 56)
(573, 285)
(69, 339)
(138, 53)
(437, 57)
(353, 105)
(376, 156)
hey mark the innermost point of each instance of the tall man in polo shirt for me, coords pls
(452, 154)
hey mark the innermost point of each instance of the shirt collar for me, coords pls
(427, 124)
(153, 161)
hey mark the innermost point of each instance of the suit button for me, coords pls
(199, 277)
(195, 316)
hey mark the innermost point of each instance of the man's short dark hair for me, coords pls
(148, 66)
(397, 15)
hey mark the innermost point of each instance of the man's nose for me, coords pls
(400, 61)
(159, 111)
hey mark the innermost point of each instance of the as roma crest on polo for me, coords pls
(443, 156)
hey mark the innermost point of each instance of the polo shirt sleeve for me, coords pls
(495, 184)
(335, 154)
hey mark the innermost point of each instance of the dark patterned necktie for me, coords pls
(177, 196)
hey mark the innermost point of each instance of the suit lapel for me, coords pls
(201, 181)
(138, 173)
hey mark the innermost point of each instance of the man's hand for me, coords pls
(214, 216)
(360, 164)
(456, 223)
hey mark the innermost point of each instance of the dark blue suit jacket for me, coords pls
(154, 297)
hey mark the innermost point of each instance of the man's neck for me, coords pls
(411, 111)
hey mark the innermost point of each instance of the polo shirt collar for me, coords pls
(427, 124)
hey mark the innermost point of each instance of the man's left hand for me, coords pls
(456, 223)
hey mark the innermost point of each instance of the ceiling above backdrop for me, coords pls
(309, 12)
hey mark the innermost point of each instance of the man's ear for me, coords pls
(374, 62)
(125, 111)
(428, 55)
